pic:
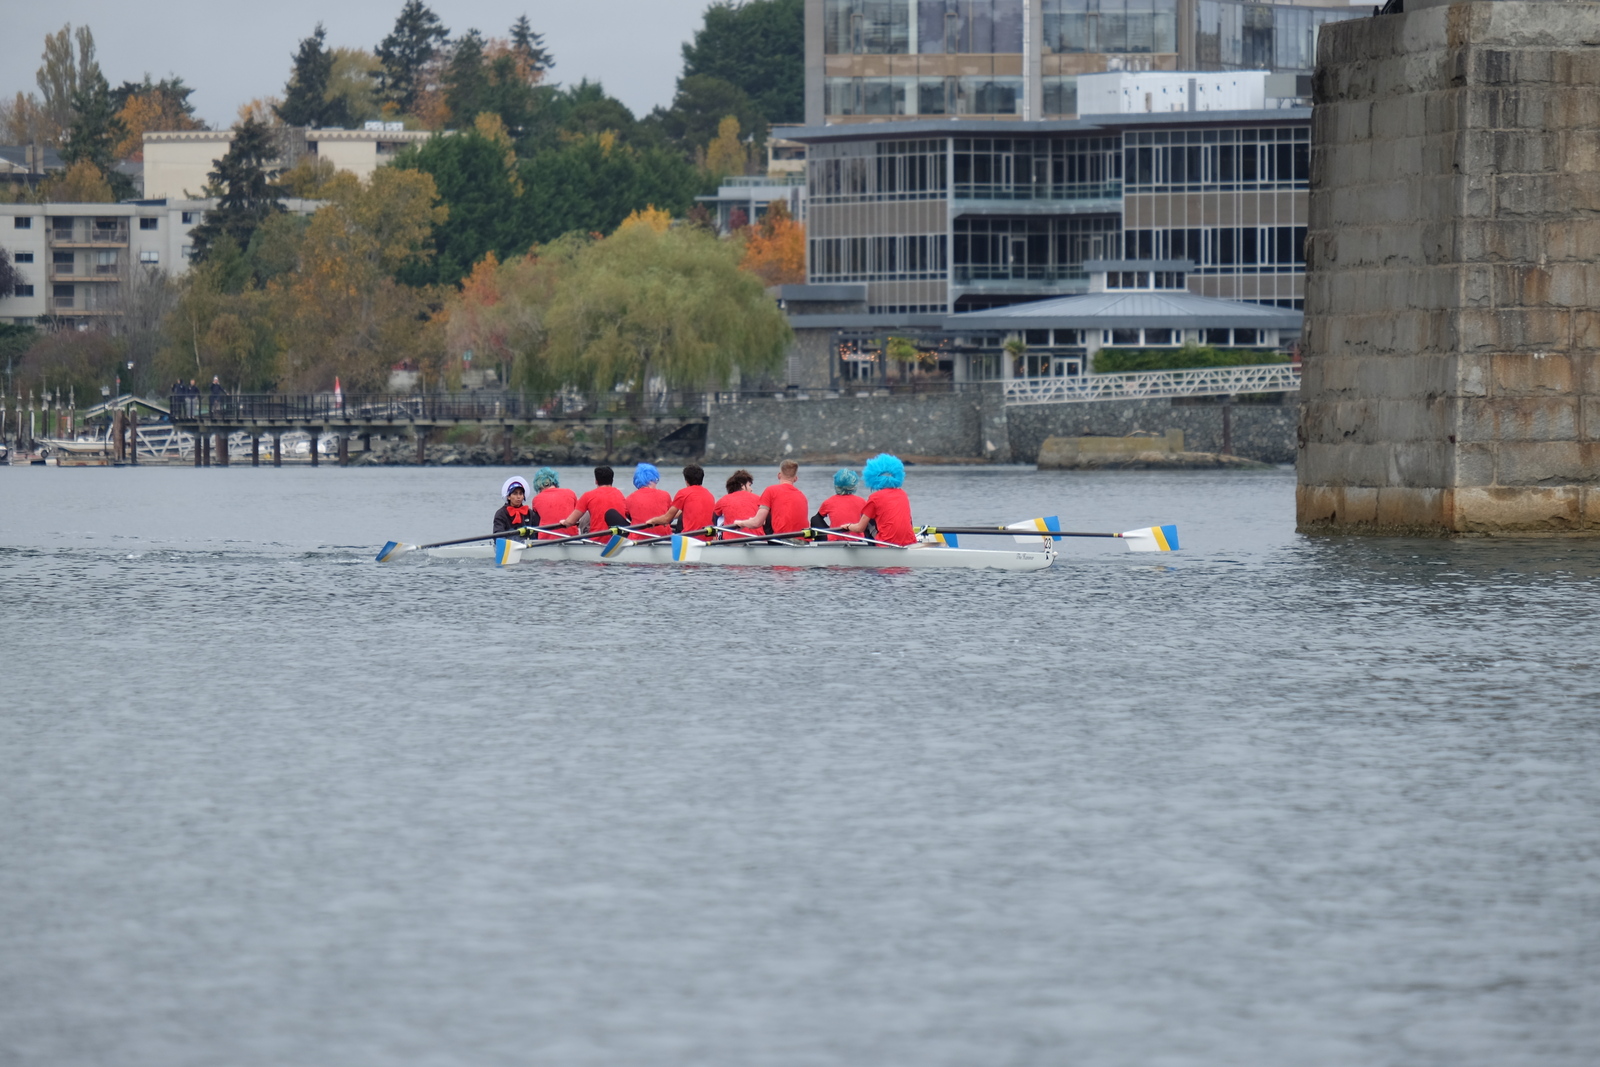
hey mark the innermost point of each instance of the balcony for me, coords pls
(1095, 193)
(1058, 279)
(101, 273)
(90, 236)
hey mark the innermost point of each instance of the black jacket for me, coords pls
(503, 520)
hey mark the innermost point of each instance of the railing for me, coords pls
(435, 407)
(89, 235)
(976, 274)
(1039, 191)
(1147, 385)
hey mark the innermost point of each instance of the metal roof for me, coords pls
(960, 126)
(1128, 310)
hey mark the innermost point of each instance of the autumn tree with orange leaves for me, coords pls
(775, 248)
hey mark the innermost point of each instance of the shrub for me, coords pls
(1124, 360)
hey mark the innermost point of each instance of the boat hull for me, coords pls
(1031, 557)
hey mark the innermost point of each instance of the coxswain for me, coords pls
(599, 502)
(783, 507)
(516, 511)
(739, 503)
(693, 504)
(647, 502)
(843, 507)
(551, 503)
(888, 508)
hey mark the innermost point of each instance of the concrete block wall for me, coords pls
(1452, 340)
(1264, 432)
(969, 424)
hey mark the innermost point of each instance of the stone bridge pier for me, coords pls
(1452, 346)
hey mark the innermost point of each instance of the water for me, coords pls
(1268, 801)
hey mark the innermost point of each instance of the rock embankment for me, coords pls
(1139, 452)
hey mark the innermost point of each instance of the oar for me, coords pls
(854, 537)
(1149, 539)
(618, 533)
(395, 549)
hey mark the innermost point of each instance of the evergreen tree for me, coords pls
(466, 79)
(699, 108)
(530, 46)
(305, 99)
(471, 174)
(417, 35)
(95, 128)
(248, 195)
(759, 47)
(591, 185)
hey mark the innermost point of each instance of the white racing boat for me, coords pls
(1036, 554)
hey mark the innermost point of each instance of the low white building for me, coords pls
(1147, 92)
(75, 260)
(176, 164)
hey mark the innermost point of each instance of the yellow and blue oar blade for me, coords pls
(686, 549)
(949, 540)
(615, 547)
(506, 551)
(1152, 539)
(393, 551)
(1052, 524)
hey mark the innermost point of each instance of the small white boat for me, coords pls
(1036, 554)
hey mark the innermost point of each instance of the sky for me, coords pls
(231, 52)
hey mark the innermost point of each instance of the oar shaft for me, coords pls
(517, 531)
(1009, 531)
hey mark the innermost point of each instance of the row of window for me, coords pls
(917, 257)
(887, 170)
(1247, 36)
(1145, 279)
(976, 95)
(1118, 26)
(1030, 168)
(1160, 160)
(931, 27)
(1223, 249)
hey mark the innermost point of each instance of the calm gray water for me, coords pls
(1268, 801)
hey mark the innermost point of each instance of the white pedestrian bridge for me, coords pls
(1155, 384)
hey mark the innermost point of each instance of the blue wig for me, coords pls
(544, 478)
(884, 471)
(845, 481)
(645, 474)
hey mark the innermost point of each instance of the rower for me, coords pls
(843, 507)
(516, 511)
(739, 503)
(595, 504)
(647, 502)
(694, 504)
(783, 503)
(551, 503)
(888, 506)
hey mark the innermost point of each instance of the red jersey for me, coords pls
(647, 503)
(891, 510)
(598, 501)
(697, 505)
(551, 505)
(735, 506)
(841, 509)
(789, 510)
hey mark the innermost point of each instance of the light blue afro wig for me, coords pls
(884, 471)
(544, 478)
(845, 481)
(645, 474)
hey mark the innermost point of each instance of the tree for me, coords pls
(248, 197)
(416, 37)
(641, 305)
(81, 183)
(353, 85)
(775, 251)
(726, 154)
(583, 110)
(150, 107)
(482, 189)
(591, 184)
(466, 79)
(757, 46)
(306, 99)
(23, 121)
(96, 131)
(530, 46)
(64, 72)
(700, 106)
(9, 275)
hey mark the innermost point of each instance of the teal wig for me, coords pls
(544, 478)
(845, 481)
(884, 471)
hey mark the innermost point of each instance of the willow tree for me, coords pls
(643, 305)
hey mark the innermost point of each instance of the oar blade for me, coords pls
(1049, 524)
(393, 551)
(615, 547)
(686, 549)
(507, 552)
(950, 540)
(1152, 539)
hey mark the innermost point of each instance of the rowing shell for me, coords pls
(815, 554)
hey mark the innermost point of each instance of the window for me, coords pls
(22, 222)
(191, 217)
(1244, 337)
(1216, 337)
(62, 295)
(22, 257)
(63, 259)
(149, 224)
(24, 290)
(1158, 337)
(186, 251)
(149, 257)
(105, 263)
(1124, 337)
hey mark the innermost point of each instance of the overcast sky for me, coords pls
(229, 52)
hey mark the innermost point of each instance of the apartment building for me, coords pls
(877, 60)
(176, 164)
(76, 260)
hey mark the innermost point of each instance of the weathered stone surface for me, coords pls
(1452, 340)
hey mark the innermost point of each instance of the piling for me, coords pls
(422, 446)
(222, 448)
(344, 450)
(116, 436)
(255, 450)
(277, 450)
(316, 446)
(133, 437)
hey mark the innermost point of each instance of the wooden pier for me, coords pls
(212, 419)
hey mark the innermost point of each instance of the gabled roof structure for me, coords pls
(1129, 310)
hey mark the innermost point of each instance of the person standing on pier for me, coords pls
(551, 503)
(782, 503)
